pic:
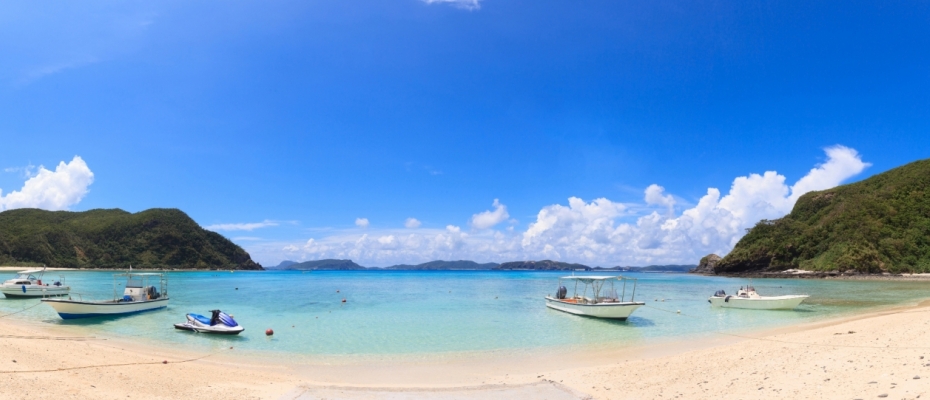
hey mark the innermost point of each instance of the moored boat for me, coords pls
(27, 284)
(140, 295)
(748, 298)
(598, 298)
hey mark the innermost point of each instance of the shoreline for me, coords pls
(599, 371)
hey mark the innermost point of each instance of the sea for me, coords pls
(417, 313)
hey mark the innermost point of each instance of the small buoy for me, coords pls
(343, 300)
(237, 288)
(292, 326)
(337, 290)
(679, 311)
(269, 332)
(164, 362)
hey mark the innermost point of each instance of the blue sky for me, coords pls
(302, 117)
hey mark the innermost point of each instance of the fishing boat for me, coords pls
(26, 284)
(220, 323)
(748, 298)
(598, 297)
(139, 295)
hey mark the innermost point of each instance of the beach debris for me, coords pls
(916, 376)
(14, 360)
(851, 332)
(883, 395)
(921, 357)
(872, 382)
(164, 361)
(269, 332)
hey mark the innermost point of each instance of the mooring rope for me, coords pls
(111, 365)
(14, 313)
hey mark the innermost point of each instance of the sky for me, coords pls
(599, 132)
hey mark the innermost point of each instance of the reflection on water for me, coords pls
(426, 312)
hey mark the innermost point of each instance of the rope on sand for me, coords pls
(801, 343)
(110, 365)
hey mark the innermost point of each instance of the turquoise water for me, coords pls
(435, 312)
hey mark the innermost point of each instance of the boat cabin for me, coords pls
(142, 286)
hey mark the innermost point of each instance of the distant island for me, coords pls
(466, 265)
(878, 225)
(158, 238)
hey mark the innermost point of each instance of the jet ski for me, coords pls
(220, 322)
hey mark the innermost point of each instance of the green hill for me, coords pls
(155, 238)
(544, 265)
(325, 265)
(881, 224)
(440, 265)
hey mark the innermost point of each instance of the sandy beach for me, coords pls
(872, 355)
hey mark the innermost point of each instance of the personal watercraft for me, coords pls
(220, 322)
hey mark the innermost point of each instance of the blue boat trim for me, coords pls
(76, 316)
(104, 304)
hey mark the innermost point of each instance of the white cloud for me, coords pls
(412, 223)
(243, 226)
(488, 219)
(361, 222)
(654, 197)
(463, 4)
(52, 190)
(600, 232)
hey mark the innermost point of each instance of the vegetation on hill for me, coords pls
(881, 224)
(155, 238)
(650, 268)
(444, 265)
(544, 265)
(325, 265)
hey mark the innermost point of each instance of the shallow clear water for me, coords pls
(409, 313)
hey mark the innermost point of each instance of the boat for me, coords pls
(220, 323)
(748, 298)
(140, 295)
(598, 297)
(26, 284)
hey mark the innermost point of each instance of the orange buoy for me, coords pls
(269, 332)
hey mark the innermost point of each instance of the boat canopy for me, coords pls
(30, 271)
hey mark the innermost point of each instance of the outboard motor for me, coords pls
(720, 293)
(560, 294)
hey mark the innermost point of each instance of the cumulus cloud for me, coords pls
(488, 219)
(598, 232)
(412, 223)
(463, 4)
(244, 226)
(654, 196)
(361, 222)
(51, 190)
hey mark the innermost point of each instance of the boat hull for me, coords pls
(21, 291)
(765, 303)
(620, 310)
(72, 309)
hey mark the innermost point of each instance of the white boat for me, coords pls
(26, 284)
(139, 295)
(220, 323)
(748, 299)
(597, 299)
